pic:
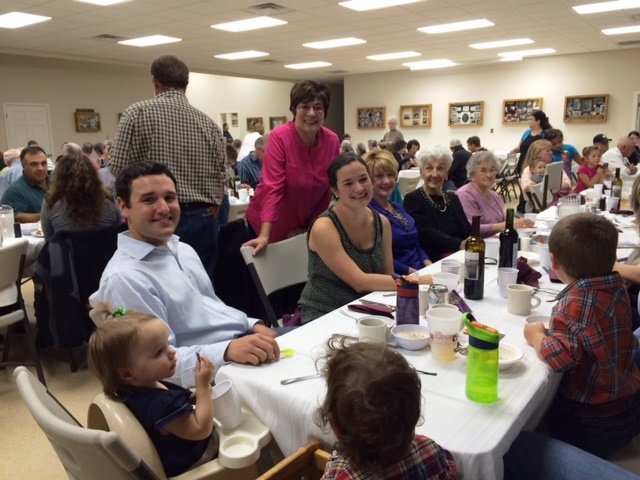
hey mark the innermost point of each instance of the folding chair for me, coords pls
(278, 266)
(12, 309)
(408, 181)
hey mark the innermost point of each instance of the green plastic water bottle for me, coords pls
(482, 361)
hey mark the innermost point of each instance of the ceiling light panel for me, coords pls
(393, 56)
(502, 43)
(364, 5)
(456, 27)
(302, 66)
(103, 3)
(149, 41)
(19, 20)
(621, 30)
(338, 42)
(242, 55)
(528, 53)
(607, 6)
(428, 64)
(249, 24)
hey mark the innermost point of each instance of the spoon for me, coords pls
(299, 379)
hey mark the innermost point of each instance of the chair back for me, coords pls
(280, 265)
(85, 454)
(408, 181)
(308, 462)
(12, 261)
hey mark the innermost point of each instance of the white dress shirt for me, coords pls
(171, 284)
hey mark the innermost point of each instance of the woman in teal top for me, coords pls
(349, 245)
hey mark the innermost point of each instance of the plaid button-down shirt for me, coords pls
(168, 130)
(424, 460)
(591, 341)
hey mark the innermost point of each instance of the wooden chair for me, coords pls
(307, 463)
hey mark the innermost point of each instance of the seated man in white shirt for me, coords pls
(618, 157)
(153, 272)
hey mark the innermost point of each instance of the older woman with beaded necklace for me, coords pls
(442, 226)
(408, 256)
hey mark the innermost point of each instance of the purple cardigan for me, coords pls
(490, 209)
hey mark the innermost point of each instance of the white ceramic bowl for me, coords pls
(401, 332)
(531, 257)
(539, 318)
(509, 356)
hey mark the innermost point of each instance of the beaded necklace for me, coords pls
(398, 216)
(430, 201)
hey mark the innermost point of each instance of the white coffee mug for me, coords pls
(226, 404)
(520, 298)
(373, 329)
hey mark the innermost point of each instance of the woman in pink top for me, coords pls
(294, 189)
(477, 198)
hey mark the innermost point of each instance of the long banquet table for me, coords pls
(477, 435)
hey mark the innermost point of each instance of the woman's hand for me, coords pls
(257, 243)
(425, 280)
(426, 263)
(523, 223)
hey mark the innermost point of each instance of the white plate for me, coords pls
(37, 233)
(531, 257)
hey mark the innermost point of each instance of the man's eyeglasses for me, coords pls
(316, 108)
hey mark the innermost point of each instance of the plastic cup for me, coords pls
(243, 195)
(506, 276)
(450, 266)
(598, 187)
(492, 245)
(531, 216)
(612, 202)
(423, 299)
(226, 404)
(545, 259)
(450, 280)
(444, 325)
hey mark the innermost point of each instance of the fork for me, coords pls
(299, 379)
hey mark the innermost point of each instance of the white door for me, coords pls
(28, 121)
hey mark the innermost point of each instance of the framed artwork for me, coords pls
(466, 114)
(518, 110)
(87, 121)
(234, 119)
(251, 121)
(371, 117)
(276, 122)
(415, 116)
(586, 108)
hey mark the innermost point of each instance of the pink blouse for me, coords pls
(474, 203)
(294, 188)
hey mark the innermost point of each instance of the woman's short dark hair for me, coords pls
(634, 132)
(137, 170)
(553, 133)
(340, 161)
(373, 402)
(540, 116)
(308, 90)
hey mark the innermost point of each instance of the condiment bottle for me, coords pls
(482, 361)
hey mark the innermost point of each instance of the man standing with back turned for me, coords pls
(168, 130)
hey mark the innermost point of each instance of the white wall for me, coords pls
(552, 78)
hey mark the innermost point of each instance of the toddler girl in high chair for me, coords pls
(131, 356)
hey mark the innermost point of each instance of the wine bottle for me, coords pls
(616, 187)
(508, 243)
(474, 263)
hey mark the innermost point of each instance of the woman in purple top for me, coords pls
(408, 256)
(477, 198)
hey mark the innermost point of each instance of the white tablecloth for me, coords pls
(477, 435)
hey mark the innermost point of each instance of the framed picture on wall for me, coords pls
(234, 119)
(371, 117)
(466, 114)
(415, 116)
(87, 121)
(251, 121)
(586, 108)
(276, 122)
(518, 110)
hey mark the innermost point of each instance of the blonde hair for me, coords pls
(381, 160)
(110, 347)
(535, 149)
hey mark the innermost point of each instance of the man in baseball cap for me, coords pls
(602, 142)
